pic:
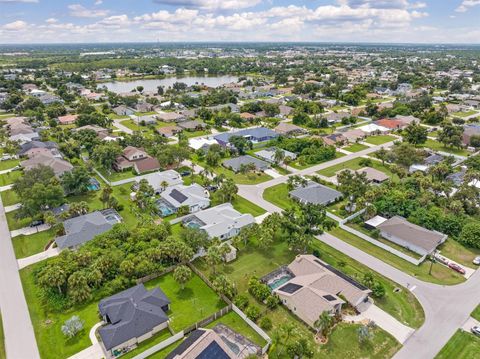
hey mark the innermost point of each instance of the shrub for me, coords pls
(258, 289)
(272, 301)
(266, 323)
(253, 313)
(241, 301)
(72, 326)
(378, 290)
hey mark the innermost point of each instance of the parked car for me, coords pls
(185, 173)
(212, 188)
(456, 268)
(476, 261)
(476, 330)
(442, 259)
(37, 223)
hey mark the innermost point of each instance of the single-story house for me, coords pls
(100, 131)
(354, 135)
(67, 119)
(428, 162)
(269, 154)
(194, 196)
(58, 165)
(374, 175)
(201, 143)
(315, 193)
(222, 221)
(123, 110)
(169, 131)
(194, 125)
(315, 287)
(146, 119)
(285, 110)
(468, 132)
(372, 128)
(144, 107)
(247, 116)
(255, 135)
(27, 147)
(23, 138)
(236, 163)
(171, 117)
(289, 129)
(79, 230)
(392, 124)
(411, 236)
(132, 316)
(158, 179)
(334, 117)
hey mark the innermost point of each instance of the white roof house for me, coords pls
(198, 143)
(372, 128)
(195, 197)
(222, 221)
(156, 179)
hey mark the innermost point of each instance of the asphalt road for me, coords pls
(20, 340)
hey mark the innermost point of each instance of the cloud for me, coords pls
(18, 25)
(51, 21)
(466, 4)
(212, 4)
(77, 10)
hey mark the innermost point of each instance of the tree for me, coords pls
(364, 334)
(470, 235)
(296, 182)
(415, 134)
(278, 156)
(228, 190)
(144, 195)
(78, 209)
(105, 195)
(382, 155)
(451, 135)
(224, 286)
(76, 181)
(105, 154)
(240, 143)
(72, 326)
(213, 258)
(182, 275)
(324, 323)
(195, 238)
(352, 185)
(405, 155)
(78, 288)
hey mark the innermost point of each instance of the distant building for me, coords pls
(315, 193)
(236, 163)
(255, 135)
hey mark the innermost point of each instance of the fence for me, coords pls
(156, 275)
(208, 320)
(206, 280)
(160, 346)
(254, 327)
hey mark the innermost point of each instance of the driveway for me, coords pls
(49, 253)
(26, 231)
(121, 127)
(471, 322)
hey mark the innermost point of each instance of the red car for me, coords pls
(456, 268)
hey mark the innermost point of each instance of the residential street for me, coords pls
(20, 340)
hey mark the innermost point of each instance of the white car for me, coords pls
(476, 330)
(476, 261)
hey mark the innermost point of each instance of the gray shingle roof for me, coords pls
(315, 193)
(237, 162)
(254, 133)
(131, 314)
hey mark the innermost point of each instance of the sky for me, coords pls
(380, 21)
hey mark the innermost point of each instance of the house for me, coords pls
(67, 119)
(315, 193)
(194, 125)
(269, 154)
(408, 235)
(285, 111)
(123, 110)
(79, 230)
(314, 287)
(470, 131)
(171, 117)
(431, 160)
(407, 119)
(100, 131)
(236, 163)
(334, 117)
(58, 165)
(374, 175)
(146, 119)
(137, 159)
(161, 180)
(289, 129)
(391, 124)
(144, 107)
(372, 128)
(201, 143)
(29, 148)
(255, 135)
(247, 116)
(354, 135)
(204, 344)
(169, 131)
(222, 221)
(132, 316)
(334, 139)
(194, 197)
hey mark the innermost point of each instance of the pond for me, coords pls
(152, 84)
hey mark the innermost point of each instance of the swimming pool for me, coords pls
(278, 282)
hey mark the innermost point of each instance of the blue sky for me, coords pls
(414, 21)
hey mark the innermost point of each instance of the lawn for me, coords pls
(9, 197)
(190, 134)
(476, 313)
(356, 147)
(464, 114)
(354, 165)
(440, 274)
(16, 223)
(239, 178)
(245, 206)
(438, 146)
(9, 177)
(380, 139)
(462, 345)
(190, 305)
(459, 253)
(3, 355)
(278, 195)
(301, 166)
(132, 125)
(114, 176)
(382, 345)
(25, 246)
(236, 323)
(157, 338)
(6, 165)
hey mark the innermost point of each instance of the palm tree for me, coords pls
(182, 274)
(324, 323)
(164, 185)
(278, 156)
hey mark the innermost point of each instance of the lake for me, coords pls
(152, 84)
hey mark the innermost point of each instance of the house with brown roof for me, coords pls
(67, 119)
(58, 165)
(247, 116)
(289, 129)
(137, 159)
(194, 125)
(314, 287)
(391, 124)
(354, 135)
(169, 131)
(171, 117)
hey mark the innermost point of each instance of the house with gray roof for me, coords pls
(79, 230)
(194, 196)
(315, 193)
(269, 154)
(255, 135)
(235, 164)
(222, 221)
(131, 317)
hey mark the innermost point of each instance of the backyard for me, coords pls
(462, 345)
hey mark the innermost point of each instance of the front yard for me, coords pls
(356, 147)
(25, 246)
(462, 345)
(278, 195)
(9, 177)
(9, 198)
(6, 165)
(355, 164)
(380, 139)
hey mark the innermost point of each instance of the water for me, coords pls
(279, 282)
(152, 84)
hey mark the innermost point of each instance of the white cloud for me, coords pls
(77, 10)
(51, 21)
(212, 4)
(98, 2)
(466, 4)
(18, 25)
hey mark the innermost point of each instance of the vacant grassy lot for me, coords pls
(25, 246)
(356, 147)
(459, 253)
(380, 139)
(6, 165)
(462, 345)
(9, 177)
(438, 146)
(113, 176)
(278, 195)
(440, 274)
(9, 198)
(354, 164)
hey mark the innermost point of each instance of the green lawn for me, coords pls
(190, 134)
(25, 246)
(380, 139)
(343, 343)
(114, 176)
(133, 126)
(190, 305)
(239, 178)
(438, 146)
(354, 165)
(245, 206)
(3, 355)
(465, 114)
(476, 313)
(9, 198)
(278, 195)
(9, 177)
(5, 165)
(15, 223)
(301, 166)
(440, 274)
(356, 147)
(157, 338)
(236, 323)
(462, 345)
(459, 253)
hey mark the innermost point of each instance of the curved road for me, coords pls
(446, 308)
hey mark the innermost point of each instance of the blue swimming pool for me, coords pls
(278, 282)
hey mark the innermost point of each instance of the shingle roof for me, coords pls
(131, 314)
(237, 162)
(256, 133)
(315, 193)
